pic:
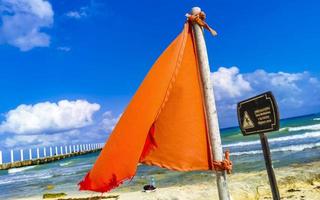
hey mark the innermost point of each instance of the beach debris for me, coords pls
(149, 188)
(53, 195)
(293, 190)
(317, 187)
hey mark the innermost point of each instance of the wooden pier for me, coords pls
(82, 150)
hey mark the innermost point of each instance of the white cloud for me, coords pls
(49, 117)
(23, 22)
(82, 12)
(229, 83)
(109, 121)
(62, 138)
(50, 124)
(66, 49)
(73, 14)
(296, 93)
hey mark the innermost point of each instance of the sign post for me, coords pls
(259, 115)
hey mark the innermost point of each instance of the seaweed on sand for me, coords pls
(53, 195)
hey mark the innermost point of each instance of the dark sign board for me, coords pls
(258, 114)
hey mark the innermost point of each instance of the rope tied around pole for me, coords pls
(200, 20)
(226, 164)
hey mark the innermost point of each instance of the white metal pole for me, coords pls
(50, 150)
(74, 148)
(56, 148)
(11, 155)
(38, 153)
(211, 112)
(30, 154)
(70, 149)
(61, 150)
(21, 154)
(1, 158)
(44, 152)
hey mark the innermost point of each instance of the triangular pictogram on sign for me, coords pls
(247, 122)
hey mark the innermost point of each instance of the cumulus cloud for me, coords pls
(62, 123)
(23, 22)
(229, 83)
(49, 117)
(296, 93)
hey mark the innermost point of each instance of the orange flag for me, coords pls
(164, 124)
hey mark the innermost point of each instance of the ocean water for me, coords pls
(297, 141)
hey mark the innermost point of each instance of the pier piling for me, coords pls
(0, 157)
(30, 154)
(11, 156)
(44, 152)
(21, 154)
(38, 153)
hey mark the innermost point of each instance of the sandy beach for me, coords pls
(298, 181)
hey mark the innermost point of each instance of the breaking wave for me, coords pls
(314, 134)
(20, 169)
(282, 149)
(314, 127)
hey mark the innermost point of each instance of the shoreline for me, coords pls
(297, 181)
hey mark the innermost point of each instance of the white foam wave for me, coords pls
(281, 149)
(314, 134)
(15, 178)
(20, 169)
(317, 119)
(284, 129)
(314, 127)
(65, 164)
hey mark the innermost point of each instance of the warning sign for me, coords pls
(247, 122)
(258, 114)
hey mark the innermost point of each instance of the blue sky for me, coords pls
(94, 55)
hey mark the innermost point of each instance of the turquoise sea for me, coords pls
(297, 141)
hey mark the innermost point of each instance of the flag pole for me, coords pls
(210, 106)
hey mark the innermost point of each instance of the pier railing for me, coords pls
(41, 155)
